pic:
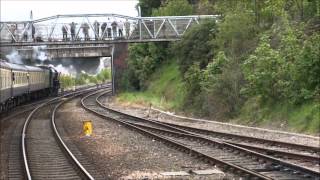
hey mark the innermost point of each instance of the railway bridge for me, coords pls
(90, 35)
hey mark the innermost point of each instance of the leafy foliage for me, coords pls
(263, 71)
(147, 6)
(236, 33)
(68, 81)
(260, 55)
(196, 46)
(145, 58)
(173, 8)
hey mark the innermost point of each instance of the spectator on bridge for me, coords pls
(85, 31)
(96, 26)
(127, 28)
(12, 29)
(64, 32)
(33, 32)
(73, 30)
(114, 29)
(109, 30)
(25, 33)
(103, 29)
(109, 34)
(120, 29)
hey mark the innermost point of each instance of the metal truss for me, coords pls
(90, 28)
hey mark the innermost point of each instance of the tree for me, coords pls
(204, 7)
(173, 8)
(263, 70)
(236, 34)
(306, 83)
(148, 5)
(196, 46)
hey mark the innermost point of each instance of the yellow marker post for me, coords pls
(87, 128)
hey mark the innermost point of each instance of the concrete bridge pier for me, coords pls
(118, 64)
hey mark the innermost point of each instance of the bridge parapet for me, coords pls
(96, 29)
(65, 51)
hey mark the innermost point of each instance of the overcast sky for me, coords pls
(19, 10)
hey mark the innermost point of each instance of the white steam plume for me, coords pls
(14, 57)
(102, 64)
(69, 70)
(39, 54)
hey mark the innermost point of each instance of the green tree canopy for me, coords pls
(196, 46)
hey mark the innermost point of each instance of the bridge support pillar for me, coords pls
(118, 64)
(112, 69)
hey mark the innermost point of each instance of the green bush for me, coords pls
(68, 81)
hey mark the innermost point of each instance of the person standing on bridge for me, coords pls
(25, 33)
(120, 29)
(127, 28)
(109, 34)
(73, 30)
(114, 29)
(96, 26)
(33, 32)
(64, 32)
(12, 29)
(103, 29)
(85, 30)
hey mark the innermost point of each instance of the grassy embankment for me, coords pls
(303, 118)
(166, 91)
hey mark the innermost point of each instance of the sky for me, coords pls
(19, 10)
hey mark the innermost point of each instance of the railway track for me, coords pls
(307, 152)
(227, 156)
(308, 156)
(45, 154)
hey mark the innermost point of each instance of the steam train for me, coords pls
(21, 83)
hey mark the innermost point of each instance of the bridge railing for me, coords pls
(97, 27)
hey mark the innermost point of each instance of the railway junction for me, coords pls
(83, 133)
(45, 140)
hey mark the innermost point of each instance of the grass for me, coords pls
(306, 118)
(165, 89)
(68, 81)
(303, 118)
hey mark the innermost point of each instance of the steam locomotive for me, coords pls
(21, 83)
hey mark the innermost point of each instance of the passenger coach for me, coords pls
(21, 83)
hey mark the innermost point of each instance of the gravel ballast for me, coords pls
(120, 153)
(142, 111)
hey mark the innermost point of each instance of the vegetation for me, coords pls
(259, 64)
(68, 81)
(165, 89)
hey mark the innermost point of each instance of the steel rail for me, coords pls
(212, 159)
(269, 158)
(23, 141)
(65, 147)
(234, 146)
(192, 130)
(25, 126)
(268, 151)
(249, 138)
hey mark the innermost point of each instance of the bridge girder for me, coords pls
(48, 31)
